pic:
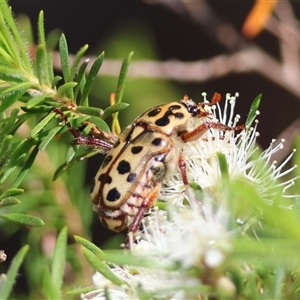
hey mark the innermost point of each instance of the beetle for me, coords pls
(145, 153)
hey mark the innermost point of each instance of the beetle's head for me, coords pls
(197, 110)
(190, 105)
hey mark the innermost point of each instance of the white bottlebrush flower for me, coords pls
(238, 148)
(191, 239)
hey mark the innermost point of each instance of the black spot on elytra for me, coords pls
(92, 186)
(131, 177)
(179, 115)
(163, 121)
(106, 161)
(157, 142)
(154, 112)
(113, 195)
(136, 149)
(104, 178)
(123, 167)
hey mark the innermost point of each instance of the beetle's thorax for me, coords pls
(169, 118)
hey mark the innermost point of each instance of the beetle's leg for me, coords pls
(146, 205)
(135, 226)
(215, 99)
(194, 202)
(182, 167)
(79, 138)
(188, 136)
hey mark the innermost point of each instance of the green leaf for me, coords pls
(24, 219)
(9, 166)
(65, 166)
(10, 121)
(42, 124)
(70, 153)
(9, 74)
(11, 192)
(162, 205)
(125, 257)
(36, 100)
(50, 71)
(76, 62)
(49, 286)
(52, 133)
(91, 78)
(91, 251)
(78, 121)
(22, 147)
(59, 258)
(12, 273)
(253, 109)
(92, 111)
(41, 29)
(120, 89)
(12, 88)
(7, 36)
(37, 109)
(55, 81)
(195, 186)
(88, 245)
(66, 88)
(122, 78)
(223, 164)
(64, 57)
(102, 267)
(46, 68)
(102, 125)
(9, 201)
(13, 38)
(5, 145)
(41, 63)
(26, 167)
(21, 119)
(80, 78)
(113, 109)
(16, 92)
(6, 57)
